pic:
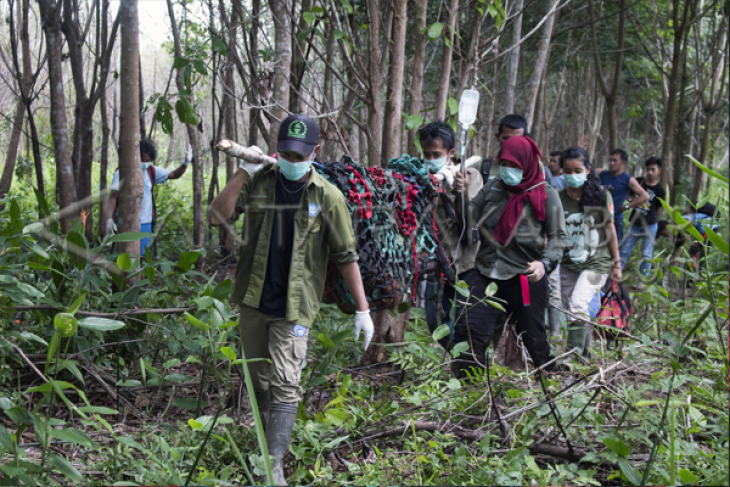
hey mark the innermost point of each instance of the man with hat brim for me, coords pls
(296, 221)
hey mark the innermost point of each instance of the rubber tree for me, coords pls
(538, 71)
(610, 93)
(131, 188)
(51, 18)
(419, 64)
(280, 11)
(445, 81)
(394, 105)
(514, 60)
(375, 82)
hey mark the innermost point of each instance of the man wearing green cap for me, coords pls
(296, 221)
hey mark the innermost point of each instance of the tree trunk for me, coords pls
(610, 94)
(282, 56)
(193, 140)
(6, 180)
(394, 104)
(444, 83)
(375, 122)
(299, 61)
(699, 181)
(229, 102)
(131, 188)
(514, 60)
(387, 330)
(59, 127)
(415, 92)
(680, 28)
(104, 166)
(142, 123)
(540, 64)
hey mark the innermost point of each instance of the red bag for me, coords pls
(616, 310)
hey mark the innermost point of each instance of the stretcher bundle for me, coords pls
(393, 221)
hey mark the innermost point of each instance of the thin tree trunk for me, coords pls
(193, 140)
(394, 105)
(104, 166)
(610, 94)
(6, 180)
(299, 63)
(131, 189)
(142, 123)
(444, 83)
(679, 140)
(514, 60)
(375, 121)
(282, 57)
(59, 126)
(540, 64)
(415, 92)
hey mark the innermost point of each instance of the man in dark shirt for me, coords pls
(620, 184)
(644, 218)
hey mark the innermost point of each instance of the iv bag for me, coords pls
(468, 107)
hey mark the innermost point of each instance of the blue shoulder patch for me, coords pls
(299, 330)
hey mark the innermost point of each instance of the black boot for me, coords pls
(262, 400)
(278, 435)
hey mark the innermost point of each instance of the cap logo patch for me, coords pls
(297, 129)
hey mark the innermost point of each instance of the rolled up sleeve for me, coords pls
(241, 201)
(340, 237)
(554, 228)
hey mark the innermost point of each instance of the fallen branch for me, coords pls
(108, 389)
(122, 312)
(241, 152)
(27, 360)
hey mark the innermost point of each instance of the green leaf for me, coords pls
(65, 324)
(98, 410)
(308, 17)
(196, 322)
(200, 67)
(618, 446)
(325, 340)
(459, 348)
(453, 104)
(187, 259)
(403, 307)
(29, 290)
(186, 112)
(218, 46)
(347, 6)
(317, 9)
(189, 403)
(338, 34)
(228, 352)
(150, 273)
(435, 30)
(628, 472)
(178, 377)
(413, 121)
(74, 436)
(302, 34)
(163, 114)
(180, 62)
(32, 228)
(100, 324)
(687, 477)
(129, 383)
(6, 440)
(5, 403)
(717, 240)
(129, 237)
(27, 336)
(491, 289)
(441, 332)
(222, 290)
(708, 170)
(171, 363)
(64, 467)
(19, 415)
(76, 304)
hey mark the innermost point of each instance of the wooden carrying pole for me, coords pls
(241, 152)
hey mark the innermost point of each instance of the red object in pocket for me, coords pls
(525, 286)
(616, 310)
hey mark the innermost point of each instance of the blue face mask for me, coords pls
(293, 171)
(575, 180)
(435, 165)
(510, 175)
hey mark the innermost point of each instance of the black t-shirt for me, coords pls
(707, 209)
(646, 214)
(273, 295)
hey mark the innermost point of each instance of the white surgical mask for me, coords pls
(510, 176)
(293, 171)
(435, 165)
(575, 180)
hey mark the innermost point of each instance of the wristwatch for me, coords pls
(548, 266)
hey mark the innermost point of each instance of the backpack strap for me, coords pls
(486, 168)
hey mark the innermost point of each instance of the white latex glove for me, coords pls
(447, 172)
(111, 227)
(364, 323)
(188, 155)
(251, 167)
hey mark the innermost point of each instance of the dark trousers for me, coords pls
(618, 222)
(477, 326)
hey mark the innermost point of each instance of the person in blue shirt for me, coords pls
(620, 184)
(148, 154)
(556, 171)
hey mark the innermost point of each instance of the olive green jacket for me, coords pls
(533, 240)
(322, 231)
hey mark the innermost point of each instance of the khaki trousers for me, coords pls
(284, 344)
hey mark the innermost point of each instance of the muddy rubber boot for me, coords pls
(554, 324)
(281, 422)
(262, 399)
(578, 338)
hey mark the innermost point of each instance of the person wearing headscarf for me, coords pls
(520, 221)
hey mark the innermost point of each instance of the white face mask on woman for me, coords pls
(575, 180)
